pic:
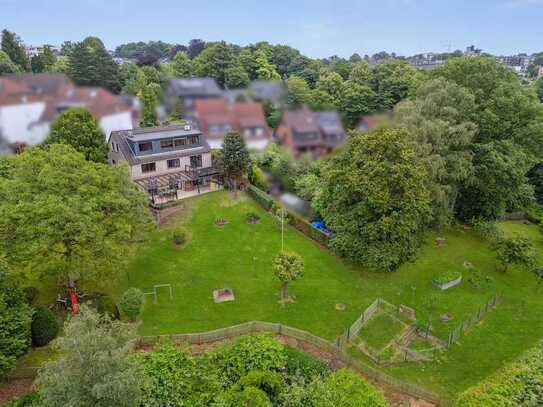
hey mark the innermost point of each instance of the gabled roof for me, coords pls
(237, 114)
(303, 120)
(330, 123)
(194, 87)
(268, 90)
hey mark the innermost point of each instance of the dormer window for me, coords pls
(166, 143)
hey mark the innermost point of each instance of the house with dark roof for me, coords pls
(260, 91)
(305, 131)
(29, 103)
(188, 91)
(166, 162)
(217, 117)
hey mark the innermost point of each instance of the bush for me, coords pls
(132, 303)
(31, 293)
(487, 230)
(248, 353)
(301, 365)
(179, 236)
(478, 279)
(252, 217)
(44, 327)
(262, 198)
(105, 305)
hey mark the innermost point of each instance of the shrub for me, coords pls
(132, 303)
(269, 382)
(44, 327)
(262, 198)
(487, 229)
(31, 293)
(447, 277)
(179, 236)
(104, 304)
(478, 279)
(252, 217)
(248, 353)
(301, 365)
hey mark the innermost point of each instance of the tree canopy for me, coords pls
(79, 129)
(235, 158)
(15, 50)
(373, 196)
(65, 216)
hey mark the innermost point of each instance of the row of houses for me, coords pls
(30, 103)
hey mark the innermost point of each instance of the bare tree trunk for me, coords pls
(235, 187)
(284, 293)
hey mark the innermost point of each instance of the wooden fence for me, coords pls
(336, 353)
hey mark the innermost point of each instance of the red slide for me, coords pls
(75, 304)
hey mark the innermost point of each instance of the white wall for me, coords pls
(18, 123)
(117, 121)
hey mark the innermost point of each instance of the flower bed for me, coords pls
(448, 279)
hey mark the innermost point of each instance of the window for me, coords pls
(149, 167)
(175, 163)
(196, 161)
(247, 133)
(147, 146)
(166, 143)
(194, 139)
(259, 131)
(180, 142)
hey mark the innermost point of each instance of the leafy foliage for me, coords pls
(235, 158)
(65, 216)
(287, 267)
(92, 340)
(132, 303)
(44, 326)
(516, 250)
(518, 384)
(15, 50)
(149, 103)
(79, 129)
(15, 320)
(373, 196)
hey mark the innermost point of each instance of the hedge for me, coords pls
(262, 198)
(519, 384)
(294, 220)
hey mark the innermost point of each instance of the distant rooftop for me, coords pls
(194, 87)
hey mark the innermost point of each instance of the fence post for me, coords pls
(348, 333)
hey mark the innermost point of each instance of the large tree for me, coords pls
(79, 129)
(65, 216)
(393, 80)
(182, 66)
(298, 92)
(15, 319)
(438, 121)
(265, 70)
(214, 62)
(7, 66)
(373, 195)
(96, 367)
(90, 64)
(516, 250)
(356, 100)
(508, 140)
(235, 159)
(149, 102)
(15, 49)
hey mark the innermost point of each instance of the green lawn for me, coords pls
(380, 331)
(239, 256)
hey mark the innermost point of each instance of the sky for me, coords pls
(318, 28)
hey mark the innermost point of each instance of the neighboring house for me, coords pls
(167, 162)
(304, 131)
(188, 91)
(217, 117)
(29, 103)
(260, 91)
